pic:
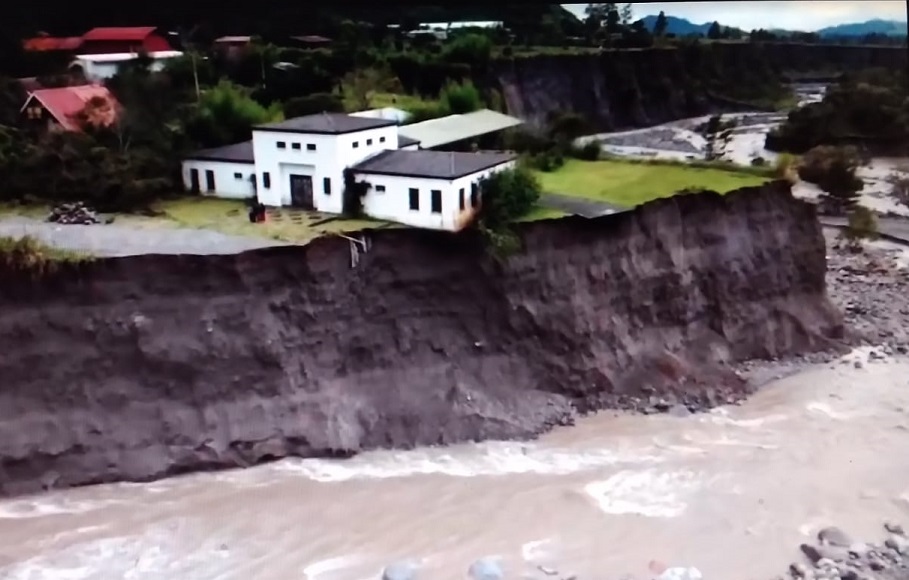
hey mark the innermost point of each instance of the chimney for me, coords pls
(327, 118)
(451, 157)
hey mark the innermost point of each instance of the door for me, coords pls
(209, 180)
(194, 180)
(301, 191)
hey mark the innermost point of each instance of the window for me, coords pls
(238, 176)
(356, 144)
(295, 146)
(266, 180)
(310, 146)
(209, 180)
(282, 145)
(380, 189)
(474, 193)
(414, 199)
(435, 201)
(326, 185)
(369, 141)
(381, 139)
(461, 199)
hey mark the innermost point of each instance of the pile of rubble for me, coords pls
(837, 556)
(73, 213)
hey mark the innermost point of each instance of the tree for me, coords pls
(714, 32)
(626, 13)
(659, 27)
(460, 98)
(507, 196)
(226, 114)
(473, 49)
(360, 85)
(833, 170)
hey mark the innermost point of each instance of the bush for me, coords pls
(862, 225)
(546, 161)
(31, 256)
(833, 170)
(758, 162)
(508, 195)
(459, 98)
(590, 151)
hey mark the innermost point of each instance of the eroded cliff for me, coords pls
(637, 88)
(135, 368)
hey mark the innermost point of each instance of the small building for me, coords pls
(302, 162)
(446, 131)
(67, 108)
(232, 46)
(97, 67)
(120, 40)
(228, 172)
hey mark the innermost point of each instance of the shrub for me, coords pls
(354, 191)
(547, 161)
(833, 170)
(862, 225)
(758, 162)
(507, 196)
(29, 255)
(590, 151)
(459, 98)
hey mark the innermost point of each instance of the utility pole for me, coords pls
(192, 55)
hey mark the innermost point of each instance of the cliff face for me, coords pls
(637, 88)
(135, 368)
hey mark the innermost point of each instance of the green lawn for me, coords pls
(629, 184)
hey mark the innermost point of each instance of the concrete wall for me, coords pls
(389, 198)
(232, 180)
(318, 156)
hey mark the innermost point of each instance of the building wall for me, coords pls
(394, 202)
(96, 71)
(232, 180)
(332, 154)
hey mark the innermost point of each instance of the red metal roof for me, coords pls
(42, 43)
(119, 33)
(65, 103)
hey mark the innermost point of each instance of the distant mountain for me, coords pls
(877, 26)
(677, 26)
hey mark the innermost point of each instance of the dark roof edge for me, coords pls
(424, 176)
(386, 123)
(220, 159)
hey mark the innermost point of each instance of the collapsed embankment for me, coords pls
(135, 368)
(638, 88)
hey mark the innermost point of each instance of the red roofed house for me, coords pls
(123, 40)
(61, 108)
(46, 43)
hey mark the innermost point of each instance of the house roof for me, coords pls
(326, 124)
(406, 141)
(431, 164)
(233, 39)
(44, 43)
(123, 56)
(236, 153)
(119, 33)
(453, 128)
(311, 38)
(64, 103)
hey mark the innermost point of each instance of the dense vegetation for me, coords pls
(868, 109)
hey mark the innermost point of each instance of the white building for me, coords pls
(97, 67)
(301, 163)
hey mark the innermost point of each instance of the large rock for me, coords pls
(137, 368)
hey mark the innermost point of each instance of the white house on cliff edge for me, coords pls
(301, 162)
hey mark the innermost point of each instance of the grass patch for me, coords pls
(34, 211)
(28, 254)
(542, 213)
(630, 183)
(231, 217)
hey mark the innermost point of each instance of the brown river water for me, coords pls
(732, 492)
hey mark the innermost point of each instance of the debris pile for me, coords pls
(73, 214)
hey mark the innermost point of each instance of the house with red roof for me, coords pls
(47, 43)
(70, 108)
(123, 39)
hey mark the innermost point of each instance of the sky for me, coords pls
(805, 15)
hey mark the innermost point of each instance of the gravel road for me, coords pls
(118, 240)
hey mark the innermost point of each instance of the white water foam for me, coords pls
(41, 507)
(648, 493)
(495, 458)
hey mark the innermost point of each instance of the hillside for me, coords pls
(678, 26)
(877, 26)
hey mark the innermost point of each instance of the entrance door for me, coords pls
(209, 180)
(194, 180)
(301, 192)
